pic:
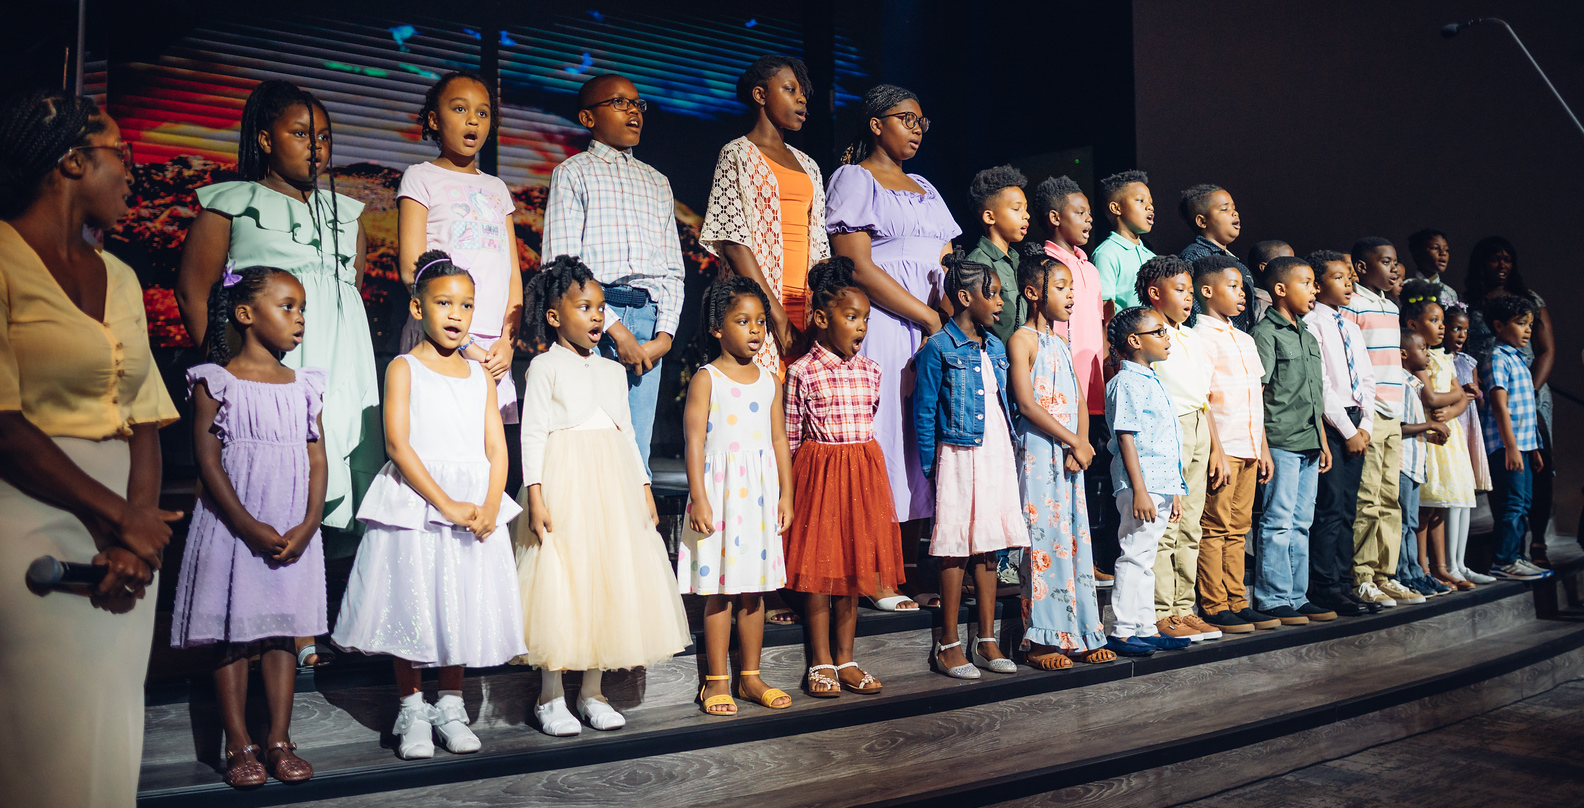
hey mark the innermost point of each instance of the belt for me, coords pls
(626, 296)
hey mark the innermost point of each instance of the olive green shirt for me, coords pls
(1293, 395)
(1006, 267)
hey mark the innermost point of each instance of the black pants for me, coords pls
(1100, 499)
(1331, 534)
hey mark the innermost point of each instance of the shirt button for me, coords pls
(976, 368)
(977, 440)
(980, 416)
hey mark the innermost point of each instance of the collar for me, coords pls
(1323, 308)
(960, 338)
(1370, 296)
(1077, 255)
(1213, 247)
(996, 253)
(1275, 316)
(1505, 348)
(1117, 239)
(1214, 322)
(568, 353)
(1141, 369)
(608, 153)
(827, 357)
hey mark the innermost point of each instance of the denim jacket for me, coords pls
(948, 393)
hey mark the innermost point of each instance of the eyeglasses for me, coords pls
(1158, 333)
(621, 104)
(910, 120)
(124, 147)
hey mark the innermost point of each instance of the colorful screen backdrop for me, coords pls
(182, 109)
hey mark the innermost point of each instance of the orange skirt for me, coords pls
(844, 538)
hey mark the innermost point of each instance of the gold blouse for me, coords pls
(69, 374)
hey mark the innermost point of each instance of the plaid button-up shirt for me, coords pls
(829, 400)
(1510, 372)
(617, 214)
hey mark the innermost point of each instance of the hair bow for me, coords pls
(230, 278)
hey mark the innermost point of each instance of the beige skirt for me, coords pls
(598, 592)
(72, 674)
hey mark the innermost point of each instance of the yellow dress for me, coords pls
(1449, 472)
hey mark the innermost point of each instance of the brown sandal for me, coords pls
(1053, 661)
(290, 768)
(1099, 655)
(243, 769)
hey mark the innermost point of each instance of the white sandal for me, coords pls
(830, 685)
(1002, 665)
(967, 671)
(893, 603)
(867, 686)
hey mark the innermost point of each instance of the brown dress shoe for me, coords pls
(243, 769)
(286, 766)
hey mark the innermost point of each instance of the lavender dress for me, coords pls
(225, 592)
(907, 232)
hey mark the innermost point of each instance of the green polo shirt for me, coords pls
(1118, 261)
(1293, 395)
(1006, 267)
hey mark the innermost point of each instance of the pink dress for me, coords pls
(977, 503)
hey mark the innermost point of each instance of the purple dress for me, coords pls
(906, 234)
(225, 592)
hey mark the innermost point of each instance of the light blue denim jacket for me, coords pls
(948, 393)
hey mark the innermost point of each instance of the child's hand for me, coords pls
(461, 514)
(701, 517)
(1356, 445)
(475, 352)
(1325, 459)
(1438, 433)
(1176, 511)
(263, 540)
(1083, 453)
(296, 542)
(1143, 506)
(498, 359)
(1512, 459)
(1472, 391)
(1071, 464)
(784, 512)
(1220, 472)
(654, 513)
(483, 526)
(1267, 466)
(538, 514)
(1440, 414)
(1537, 462)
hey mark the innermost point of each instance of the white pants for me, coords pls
(1133, 594)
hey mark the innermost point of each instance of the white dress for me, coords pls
(422, 588)
(743, 484)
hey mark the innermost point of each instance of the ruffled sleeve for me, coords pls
(313, 381)
(849, 202)
(944, 224)
(218, 381)
(279, 213)
(726, 217)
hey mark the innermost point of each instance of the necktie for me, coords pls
(1347, 351)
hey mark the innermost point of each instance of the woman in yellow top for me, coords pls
(80, 401)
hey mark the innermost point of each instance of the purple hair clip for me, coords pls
(230, 278)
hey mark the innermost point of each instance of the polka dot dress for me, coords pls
(743, 486)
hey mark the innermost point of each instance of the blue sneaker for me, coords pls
(1165, 643)
(1130, 646)
(1513, 572)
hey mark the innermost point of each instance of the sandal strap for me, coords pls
(748, 673)
(721, 678)
(813, 668)
(285, 745)
(939, 648)
(984, 639)
(846, 665)
(250, 749)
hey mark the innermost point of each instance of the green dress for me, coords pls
(269, 228)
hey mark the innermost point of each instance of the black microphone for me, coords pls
(46, 572)
(1452, 29)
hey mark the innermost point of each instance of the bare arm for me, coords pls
(412, 237)
(500, 463)
(783, 455)
(298, 537)
(361, 257)
(883, 290)
(1143, 506)
(261, 538)
(695, 423)
(203, 260)
(1020, 352)
(740, 259)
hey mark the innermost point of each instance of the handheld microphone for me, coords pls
(46, 572)
(1452, 29)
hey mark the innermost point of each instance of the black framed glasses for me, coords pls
(910, 120)
(621, 104)
(1159, 332)
(124, 148)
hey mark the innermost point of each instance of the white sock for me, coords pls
(413, 699)
(449, 694)
(591, 685)
(550, 686)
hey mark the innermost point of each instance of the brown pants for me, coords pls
(1228, 515)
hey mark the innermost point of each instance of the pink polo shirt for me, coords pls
(1085, 332)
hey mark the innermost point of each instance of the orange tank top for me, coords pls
(797, 197)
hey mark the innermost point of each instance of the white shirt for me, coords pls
(1325, 324)
(563, 390)
(1187, 370)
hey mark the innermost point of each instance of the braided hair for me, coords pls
(268, 101)
(963, 274)
(432, 99)
(547, 287)
(718, 300)
(1034, 270)
(246, 285)
(828, 280)
(37, 127)
(1122, 326)
(878, 101)
(763, 69)
(435, 264)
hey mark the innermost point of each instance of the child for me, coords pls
(1259, 255)
(964, 427)
(1377, 531)
(735, 426)
(997, 195)
(252, 573)
(617, 215)
(1449, 476)
(1146, 469)
(449, 204)
(1431, 254)
(428, 587)
(1348, 395)
(1457, 326)
(1294, 398)
(1166, 284)
(1131, 211)
(1511, 435)
(1237, 408)
(598, 593)
(1060, 611)
(844, 540)
(1418, 434)
(1209, 211)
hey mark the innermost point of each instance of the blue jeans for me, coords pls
(1408, 566)
(1511, 496)
(1283, 547)
(643, 392)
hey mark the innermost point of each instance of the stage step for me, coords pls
(853, 749)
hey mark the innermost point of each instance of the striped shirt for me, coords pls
(617, 214)
(1510, 372)
(831, 400)
(1376, 316)
(1236, 397)
(1414, 451)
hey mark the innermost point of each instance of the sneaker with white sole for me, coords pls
(1529, 566)
(1477, 577)
(1514, 572)
(1206, 631)
(1398, 592)
(1370, 593)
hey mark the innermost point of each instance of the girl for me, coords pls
(1457, 330)
(279, 217)
(766, 213)
(961, 416)
(844, 540)
(1060, 608)
(597, 589)
(252, 574)
(429, 586)
(448, 204)
(739, 488)
(1449, 474)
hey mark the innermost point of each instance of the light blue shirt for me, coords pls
(1137, 402)
(1118, 261)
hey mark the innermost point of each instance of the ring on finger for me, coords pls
(128, 589)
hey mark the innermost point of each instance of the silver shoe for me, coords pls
(1002, 665)
(967, 671)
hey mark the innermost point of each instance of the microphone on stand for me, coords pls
(48, 573)
(1454, 28)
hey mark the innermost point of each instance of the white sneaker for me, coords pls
(452, 725)
(1371, 593)
(1399, 593)
(414, 732)
(1476, 577)
(1530, 568)
(598, 713)
(556, 720)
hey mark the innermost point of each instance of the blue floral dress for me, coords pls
(1059, 604)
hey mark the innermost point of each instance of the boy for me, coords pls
(1208, 209)
(1293, 402)
(618, 216)
(1259, 255)
(1511, 435)
(1416, 431)
(1238, 413)
(1132, 213)
(1349, 394)
(996, 194)
(1377, 531)
(1431, 254)
(1166, 282)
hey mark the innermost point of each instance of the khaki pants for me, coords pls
(1228, 515)
(1177, 560)
(1377, 531)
